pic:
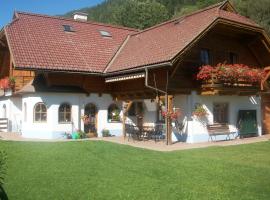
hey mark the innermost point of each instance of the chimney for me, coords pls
(80, 16)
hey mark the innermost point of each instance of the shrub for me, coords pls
(82, 134)
(3, 158)
(106, 133)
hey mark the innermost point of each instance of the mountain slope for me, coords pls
(142, 14)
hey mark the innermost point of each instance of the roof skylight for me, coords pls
(105, 33)
(68, 28)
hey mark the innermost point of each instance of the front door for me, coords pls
(247, 122)
(90, 111)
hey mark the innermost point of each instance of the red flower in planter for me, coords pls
(172, 115)
(205, 72)
(231, 73)
(7, 83)
(4, 83)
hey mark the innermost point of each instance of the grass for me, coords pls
(100, 170)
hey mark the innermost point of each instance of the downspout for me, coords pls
(151, 87)
(166, 100)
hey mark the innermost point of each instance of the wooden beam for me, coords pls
(253, 52)
(177, 65)
(10, 66)
(266, 46)
(263, 83)
(168, 121)
(2, 43)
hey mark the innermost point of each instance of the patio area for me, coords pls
(147, 144)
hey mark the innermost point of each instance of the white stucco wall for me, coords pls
(196, 130)
(12, 112)
(52, 128)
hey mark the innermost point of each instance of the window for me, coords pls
(4, 110)
(105, 33)
(233, 58)
(68, 28)
(25, 112)
(40, 112)
(205, 57)
(113, 113)
(64, 113)
(220, 112)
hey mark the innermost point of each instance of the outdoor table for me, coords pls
(147, 131)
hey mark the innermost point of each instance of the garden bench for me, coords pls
(219, 129)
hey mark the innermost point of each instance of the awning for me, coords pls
(125, 77)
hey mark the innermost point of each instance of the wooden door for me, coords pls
(266, 114)
(91, 111)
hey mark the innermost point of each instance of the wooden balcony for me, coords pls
(216, 87)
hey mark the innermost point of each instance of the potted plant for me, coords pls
(199, 111)
(116, 115)
(82, 134)
(91, 135)
(12, 82)
(173, 115)
(105, 133)
(7, 84)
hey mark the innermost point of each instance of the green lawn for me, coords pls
(100, 170)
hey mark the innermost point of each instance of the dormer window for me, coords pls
(105, 33)
(68, 28)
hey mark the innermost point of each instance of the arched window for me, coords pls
(64, 113)
(40, 112)
(4, 110)
(113, 113)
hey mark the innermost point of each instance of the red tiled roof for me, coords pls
(39, 42)
(163, 42)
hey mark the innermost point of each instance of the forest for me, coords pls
(141, 14)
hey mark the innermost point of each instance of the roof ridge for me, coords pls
(116, 54)
(72, 20)
(244, 17)
(182, 17)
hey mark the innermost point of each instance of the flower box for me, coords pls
(224, 75)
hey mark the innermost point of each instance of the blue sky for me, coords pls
(50, 7)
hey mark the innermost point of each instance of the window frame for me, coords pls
(64, 113)
(202, 56)
(68, 28)
(230, 59)
(108, 113)
(4, 110)
(227, 113)
(34, 111)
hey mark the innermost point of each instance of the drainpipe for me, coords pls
(166, 100)
(148, 86)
